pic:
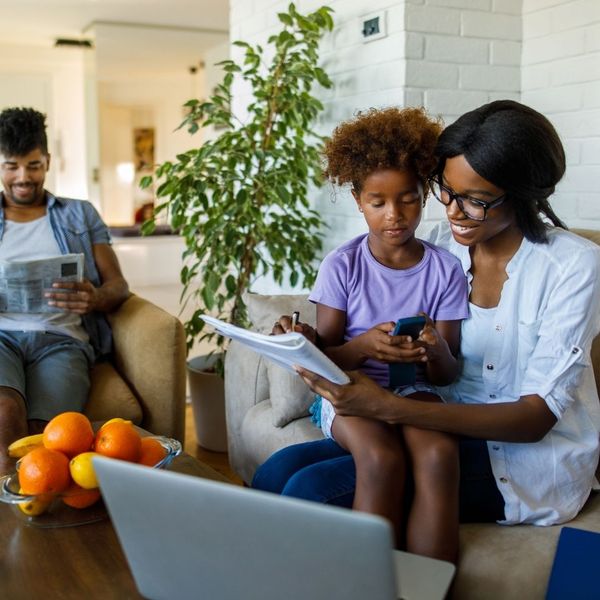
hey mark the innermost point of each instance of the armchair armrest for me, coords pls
(149, 353)
(246, 384)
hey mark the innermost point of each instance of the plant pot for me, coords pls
(207, 391)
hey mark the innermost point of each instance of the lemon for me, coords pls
(35, 507)
(82, 470)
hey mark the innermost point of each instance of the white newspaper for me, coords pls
(23, 283)
(286, 350)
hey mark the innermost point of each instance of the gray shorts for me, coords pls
(51, 371)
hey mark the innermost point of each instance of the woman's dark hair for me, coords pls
(21, 131)
(517, 149)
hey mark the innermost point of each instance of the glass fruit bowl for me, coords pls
(57, 510)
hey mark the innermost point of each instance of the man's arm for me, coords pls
(84, 297)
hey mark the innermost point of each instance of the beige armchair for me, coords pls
(145, 381)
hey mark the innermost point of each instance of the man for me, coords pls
(45, 358)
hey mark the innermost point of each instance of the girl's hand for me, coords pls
(362, 397)
(378, 344)
(434, 345)
(284, 325)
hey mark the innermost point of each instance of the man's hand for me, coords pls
(362, 397)
(74, 296)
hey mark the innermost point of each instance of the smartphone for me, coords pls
(410, 326)
(405, 373)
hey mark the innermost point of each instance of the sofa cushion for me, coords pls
(110, 396)
(290, 396)
(264, 310)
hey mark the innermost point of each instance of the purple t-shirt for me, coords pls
(352, 280)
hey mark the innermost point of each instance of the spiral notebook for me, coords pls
(286, 350)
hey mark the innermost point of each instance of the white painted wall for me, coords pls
(561, 78)
(51, 80)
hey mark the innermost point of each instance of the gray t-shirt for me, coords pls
(33, 240)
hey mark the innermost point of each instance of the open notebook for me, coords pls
(286, 350)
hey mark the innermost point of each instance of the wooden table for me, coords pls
(81, 562)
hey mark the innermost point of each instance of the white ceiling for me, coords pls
(131, 33)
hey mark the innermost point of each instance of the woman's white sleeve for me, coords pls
(568, 324)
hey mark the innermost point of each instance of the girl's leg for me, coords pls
(378, 454)
(274, 474)
(432, 528)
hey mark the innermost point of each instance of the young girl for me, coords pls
(362, 288)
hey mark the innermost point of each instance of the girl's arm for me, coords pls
(442, 342)
(376, 343)
(526, 420)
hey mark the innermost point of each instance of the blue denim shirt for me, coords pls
(77, 226)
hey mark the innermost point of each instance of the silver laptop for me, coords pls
(186, 537)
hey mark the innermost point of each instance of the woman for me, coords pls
(526, 398)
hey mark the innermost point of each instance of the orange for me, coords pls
(152, 452)
(44, 471)
(70, 433)
(77, 497)
(119, 440)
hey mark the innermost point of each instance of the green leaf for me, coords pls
(146, 181)
(231, 284)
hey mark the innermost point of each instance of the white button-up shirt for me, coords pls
(539, 343)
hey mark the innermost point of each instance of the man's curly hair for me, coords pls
(21, 131)
(390, 138)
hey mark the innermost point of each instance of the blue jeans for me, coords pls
(323, 471)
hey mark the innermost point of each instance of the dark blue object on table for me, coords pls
(576, 569)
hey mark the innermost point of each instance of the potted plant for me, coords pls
(240, 200)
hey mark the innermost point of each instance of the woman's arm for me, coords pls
(526, 420)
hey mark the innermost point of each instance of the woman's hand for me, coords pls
(284, 325)
(362, 397)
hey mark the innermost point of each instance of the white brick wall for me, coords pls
(561, 78)
(452, 56)
(472, 55)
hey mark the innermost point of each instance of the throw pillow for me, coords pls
(290, 396)
(264, 310)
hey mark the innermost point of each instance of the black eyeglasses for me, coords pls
(473, 208)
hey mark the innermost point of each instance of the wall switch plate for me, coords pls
(373, 26)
